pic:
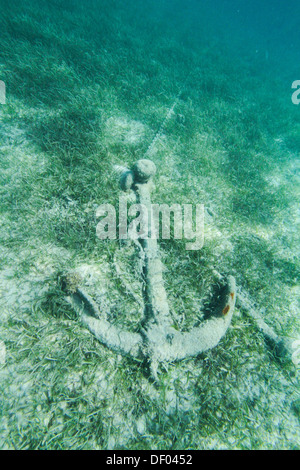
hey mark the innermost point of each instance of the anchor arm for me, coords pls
(113, 337)
(173, 345)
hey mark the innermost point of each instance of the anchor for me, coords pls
(157, 340)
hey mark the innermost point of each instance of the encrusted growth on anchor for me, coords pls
(157, 340)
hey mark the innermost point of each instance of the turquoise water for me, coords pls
(209, 92)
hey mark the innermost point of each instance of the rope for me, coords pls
(149, 151)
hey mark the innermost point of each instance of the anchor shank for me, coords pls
(157, 308)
